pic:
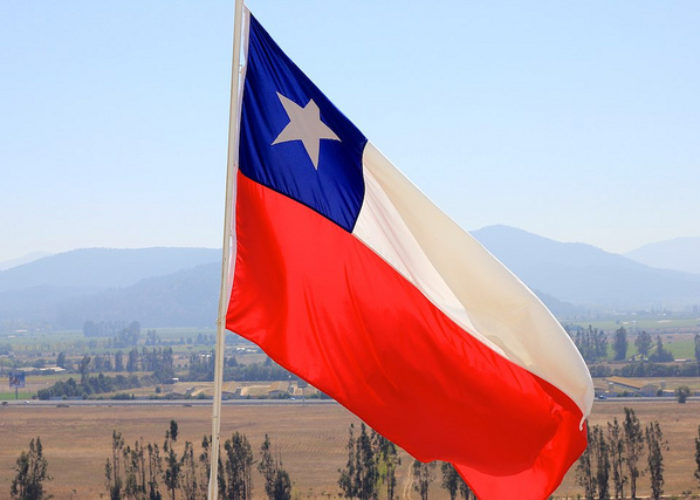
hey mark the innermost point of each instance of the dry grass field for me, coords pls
(310, 439)
(77, 440)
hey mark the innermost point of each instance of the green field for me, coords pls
(650, 325)
(682, 346)
(73, 342)
(32, 384)
(5, 396)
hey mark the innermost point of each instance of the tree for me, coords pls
(119, 362)
(620, 344)
(682, 393)
(282, 487)
(239, 461)
(113, 469)
(634, 445)
(171, 474)
(591, 342)
(465, 491)
(365, 466)
(205, 462)
(423, 476)
(617, 457)
(266, 466)
(359, 478)
(221, 477)
(134, 470)
(600, 340)
(84, 368)
(453, 482)
(450, 479)
(602, 463)
(697, 347)
(131, 487)
(584, 469)
(277, 483)
(188, 473)
(133, 360)
(173, 430)
(155, 469)
(655, 445)
(387, 462)
(142, 464)
(114, 494)
(31, 472)
(61, 359)
(643, 343)
(697, 455)
(347, 475)
(660, 355)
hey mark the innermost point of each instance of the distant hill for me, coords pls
(563, 310)
(25, 259)
(179, 286)
(585, 275)
(64, 290)
(184, 298)
(102, 268)
(679, 254)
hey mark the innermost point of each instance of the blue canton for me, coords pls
(335, 187)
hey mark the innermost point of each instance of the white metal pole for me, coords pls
(233, 122)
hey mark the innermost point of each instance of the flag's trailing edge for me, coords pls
(347, 275)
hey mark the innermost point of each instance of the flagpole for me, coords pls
(233, 124)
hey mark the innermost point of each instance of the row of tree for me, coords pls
(371, 470)
(593, 345)
(591, 342)
(120, 335)
(201, 369)
(371, 466)
(644, 344)
(90, 385)
(621, 453)
(646, 369)
(147, 472)
(157, 360)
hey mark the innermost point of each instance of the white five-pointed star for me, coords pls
(305, 125)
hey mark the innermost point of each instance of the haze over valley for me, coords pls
(173, 287)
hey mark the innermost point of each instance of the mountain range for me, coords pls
(162, 287)
(25, 259)
(679, 254)
(157, 286)
(586, 275)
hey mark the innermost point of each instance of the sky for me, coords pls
(578, 121)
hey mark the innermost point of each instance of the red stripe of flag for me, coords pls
(327, 308)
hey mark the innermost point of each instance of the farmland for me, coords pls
(651, 324)
(310, 439)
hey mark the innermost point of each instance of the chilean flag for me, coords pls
(347, 275)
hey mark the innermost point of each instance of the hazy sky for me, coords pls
(579, 121)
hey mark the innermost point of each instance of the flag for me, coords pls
(348, 276)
